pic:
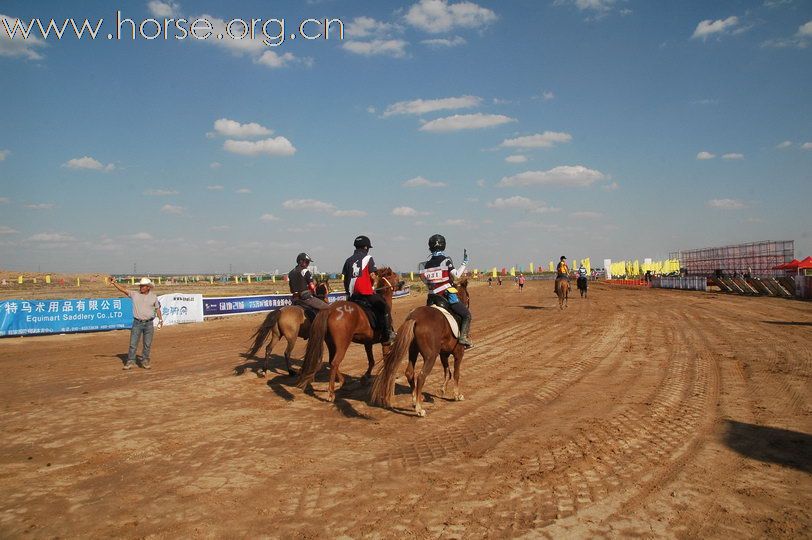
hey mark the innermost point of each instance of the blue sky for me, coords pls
(521, 130)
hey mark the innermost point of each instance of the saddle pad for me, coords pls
(455, 329)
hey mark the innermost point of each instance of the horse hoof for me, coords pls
(261, 374)
(331, 398)
(460, 397)
(421, 413)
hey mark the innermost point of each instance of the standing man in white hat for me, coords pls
(145, 308)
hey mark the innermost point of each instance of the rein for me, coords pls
(388, 285)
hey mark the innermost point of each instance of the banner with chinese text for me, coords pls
(27, 317)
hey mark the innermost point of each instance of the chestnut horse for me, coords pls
(344, 323)
(427, 332)
(288, 322)
(563, 292)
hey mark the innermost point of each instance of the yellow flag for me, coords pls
(530, 268)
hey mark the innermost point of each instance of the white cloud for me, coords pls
(586, 215)
(160, 192)
(349, 213)
(407, 211)
(800, 40)
(51, 237)
(163, 10)
(4, 154)
(459, 122)
(456, 41)
(435, 16)
(592, 5)
(88, 162)
(422, 106)
(611, 187)
(516, 159)
(242, 191)
(419, 181)
(172, 209)
(264, 217)
(232, 128)
(215, 188)
(308, 204)
(733, 155)
(395, 48)
(539, 140)
(564, 175)
(705, 155)
(480, 183)
(139, 236)
(726, 204)
(547, 96)
(40, 206)
(215, 165)
(708, 27)
(807, 146)
(455, 222)
(272, 59)
(4, 200)
(228, 227)
(364, 27)
(785, 144)
(5, 229)
(277, 146)
(521, 203)
(18, 46)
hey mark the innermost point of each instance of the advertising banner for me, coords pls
(241, 305)
(28, 317)
(180, 308)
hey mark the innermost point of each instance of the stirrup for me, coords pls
(465, 342)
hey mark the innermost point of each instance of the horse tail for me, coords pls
(264, 329)
(315, 348)
(384, 387)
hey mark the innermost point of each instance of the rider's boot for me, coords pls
(390, 331)
(464, 340)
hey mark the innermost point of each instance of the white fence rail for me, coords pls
(686, 283)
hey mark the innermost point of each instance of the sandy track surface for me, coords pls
(632, 413)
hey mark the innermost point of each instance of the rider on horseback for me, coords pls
(439, 274)
(302, 286)
(562, 271)
(359, 274)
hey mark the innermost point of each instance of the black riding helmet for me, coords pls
(437, 242)
(563, 257)
(303, 257)
(362, 242)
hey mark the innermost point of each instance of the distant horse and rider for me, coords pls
(429, 332)
(583, 281)
(364, 318)
(562, 282)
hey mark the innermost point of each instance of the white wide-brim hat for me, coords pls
(145, 281)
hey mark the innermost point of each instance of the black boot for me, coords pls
(465, 325)
(390, 331)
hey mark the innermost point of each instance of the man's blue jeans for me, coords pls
(140, 328)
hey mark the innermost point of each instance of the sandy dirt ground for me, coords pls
(635, 413)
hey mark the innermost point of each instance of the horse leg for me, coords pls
(458, 353)
(410, 369)
(371, 359)
(428, 363)
(335, 362)
(446, 374)
(288, 350)
(274, 339)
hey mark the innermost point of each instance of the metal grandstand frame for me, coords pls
(755, 258)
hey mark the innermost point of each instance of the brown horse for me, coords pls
(563, 292)
(288, 322)
(344, 323)
(427, 332)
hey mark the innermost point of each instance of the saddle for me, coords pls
(441, 304)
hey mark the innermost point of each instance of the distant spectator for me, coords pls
(490, 281)
(521, 282)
